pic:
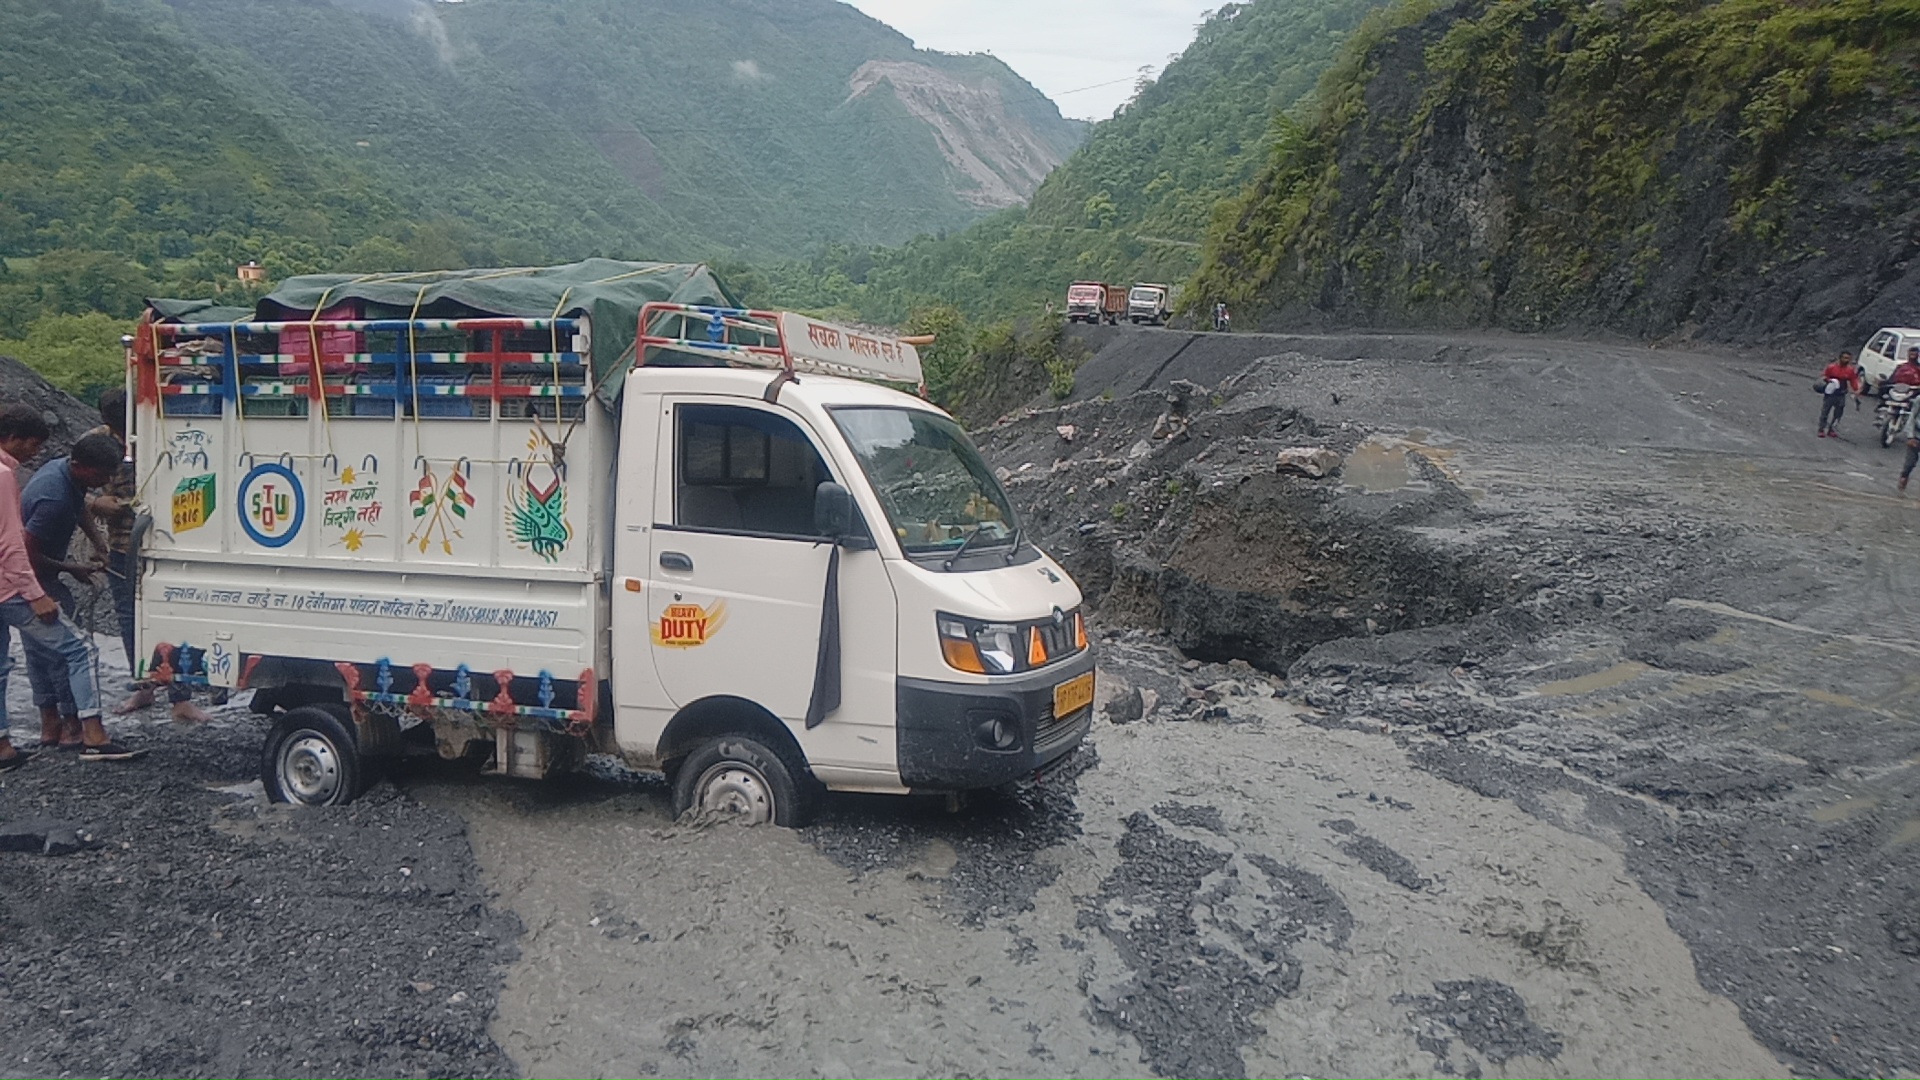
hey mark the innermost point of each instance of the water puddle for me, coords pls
(1606, 678)
(1828, 697)
(1845, 809)
(1376, 467)
(252, 789)
(1908, 834)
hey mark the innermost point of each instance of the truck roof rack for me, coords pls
(319, 359)
(776, 340)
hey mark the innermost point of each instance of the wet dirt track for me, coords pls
(1630, 792)
(1263, 897)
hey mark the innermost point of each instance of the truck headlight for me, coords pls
(991, 648)
(981, 648)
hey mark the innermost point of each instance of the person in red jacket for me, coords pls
(1908, 373)
(1842, 377)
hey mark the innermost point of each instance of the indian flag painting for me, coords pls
(439, 508)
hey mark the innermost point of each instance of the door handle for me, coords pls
(673, 560)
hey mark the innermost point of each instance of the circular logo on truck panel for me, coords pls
(272, 505)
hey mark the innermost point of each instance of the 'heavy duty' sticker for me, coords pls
(682, 626)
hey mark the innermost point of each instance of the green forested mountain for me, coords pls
(765, 127)
(1134, 201)
(125, 162)
(1743, 169)
(149, 145)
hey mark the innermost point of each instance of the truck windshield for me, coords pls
(936, 490)
(1144, 296)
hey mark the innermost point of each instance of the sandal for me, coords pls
(110, 751)
(19, 758)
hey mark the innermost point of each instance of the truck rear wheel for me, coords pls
(310, 759)
(737, 776)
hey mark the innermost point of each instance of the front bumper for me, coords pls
(939, 728)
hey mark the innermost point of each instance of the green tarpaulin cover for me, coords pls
(608, 291)
(198, 311)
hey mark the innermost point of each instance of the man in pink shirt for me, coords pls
(24, 603)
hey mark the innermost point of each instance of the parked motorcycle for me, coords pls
(1895, 412)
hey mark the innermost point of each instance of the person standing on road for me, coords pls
(23, 603)
(52, 506)
(114, 507)
(1839, 379)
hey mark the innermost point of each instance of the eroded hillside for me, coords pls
(1740, 169)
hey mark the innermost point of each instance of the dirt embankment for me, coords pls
(70, 418)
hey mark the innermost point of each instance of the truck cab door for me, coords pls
(737, 582)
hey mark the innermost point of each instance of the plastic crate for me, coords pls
(440, 406)
(208, 404)
(375, 405)
(335, 345)
(277, 406)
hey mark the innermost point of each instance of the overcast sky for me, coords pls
(1083, 55)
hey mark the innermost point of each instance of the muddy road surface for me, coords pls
(1469, 706)
(1563, 726)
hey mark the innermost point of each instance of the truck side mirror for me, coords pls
(834, 515)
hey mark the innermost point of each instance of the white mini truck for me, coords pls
(755, 571)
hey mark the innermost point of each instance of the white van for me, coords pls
(1885, 349)
(760, 578)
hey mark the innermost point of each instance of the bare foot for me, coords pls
(142, 698)
(186, 712)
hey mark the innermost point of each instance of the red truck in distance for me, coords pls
(1096, 302)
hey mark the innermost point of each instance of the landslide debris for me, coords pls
(69, 417)
(1197, 511)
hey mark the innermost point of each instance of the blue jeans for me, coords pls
(59, 645)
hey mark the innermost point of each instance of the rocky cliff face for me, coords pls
(998, 156)
(1733, 171)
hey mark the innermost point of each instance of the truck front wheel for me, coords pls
(310, 759)
(739, 777)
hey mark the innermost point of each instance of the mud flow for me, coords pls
(1467, 707)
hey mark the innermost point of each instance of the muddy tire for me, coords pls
(310, 759)
(738, 776)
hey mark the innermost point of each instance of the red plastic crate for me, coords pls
(335, 345)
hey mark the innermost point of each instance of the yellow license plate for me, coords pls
(1073, 695)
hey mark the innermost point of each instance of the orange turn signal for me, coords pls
(962, 655)
(1079, 631)
(1036, 649)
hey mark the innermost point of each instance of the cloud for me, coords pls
(748, 71)
(416, 14)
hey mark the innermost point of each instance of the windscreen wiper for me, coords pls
(962, 549)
